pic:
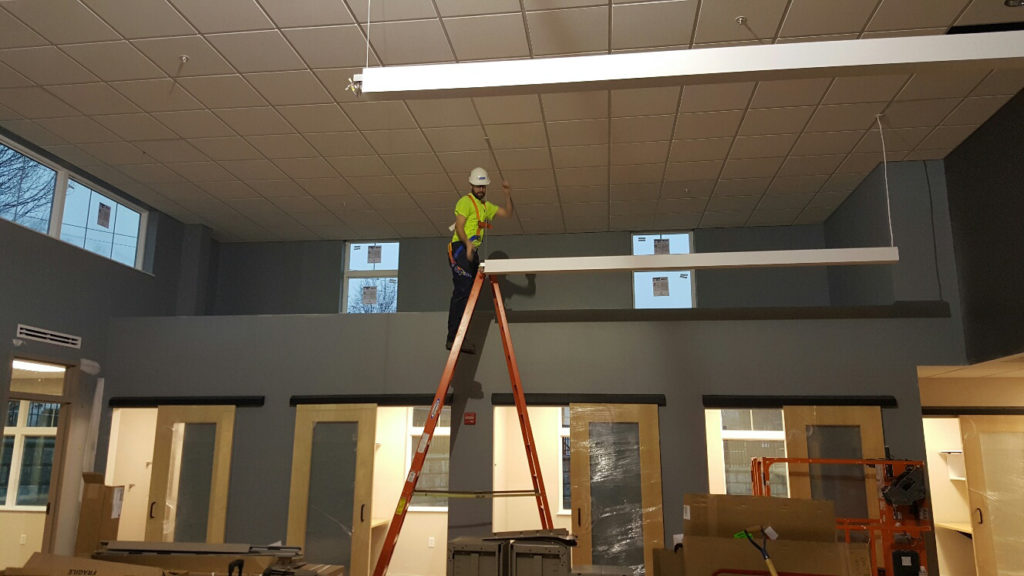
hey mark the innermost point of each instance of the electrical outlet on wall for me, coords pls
(431, 542)
(23, 540)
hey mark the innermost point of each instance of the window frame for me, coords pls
(563, 436)
(348, 273)
(60, 189)
(20, 432)
(693, 279)
(410, 449)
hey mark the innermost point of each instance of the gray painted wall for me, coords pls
(986, 200)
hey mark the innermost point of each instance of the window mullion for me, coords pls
(57, 209)
(15, 478)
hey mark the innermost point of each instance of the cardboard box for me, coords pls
(100, 514)
(50, 565)
(668, 562)
(206, 564)
(705, 556)
(723, 515)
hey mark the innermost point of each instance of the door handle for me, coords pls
(981, 517)
(362, 509)
(151, 505)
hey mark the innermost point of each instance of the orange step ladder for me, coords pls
(434, 415)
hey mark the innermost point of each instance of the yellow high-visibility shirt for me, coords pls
(475, 211)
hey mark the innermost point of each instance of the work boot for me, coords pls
(467, 347)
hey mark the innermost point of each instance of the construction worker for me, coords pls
(473, 215)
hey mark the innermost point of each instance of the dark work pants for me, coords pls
(462, 286)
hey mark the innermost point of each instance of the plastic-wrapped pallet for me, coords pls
(532, 558)
(477, 557)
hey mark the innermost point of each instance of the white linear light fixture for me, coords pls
(697, 66)
(756, 259)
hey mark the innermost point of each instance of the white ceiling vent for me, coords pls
(49, 336)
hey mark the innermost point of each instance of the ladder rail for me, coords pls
(433, 416)
(524, 419)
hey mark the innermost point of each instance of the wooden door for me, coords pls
(329, 510)
(188, 491)
(849, 432)
(615, 471)
(994, 459)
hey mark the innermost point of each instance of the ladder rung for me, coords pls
(478, 493)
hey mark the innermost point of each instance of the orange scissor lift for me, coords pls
(898, 527)
(434, 415)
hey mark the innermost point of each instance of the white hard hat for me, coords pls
(478, 177)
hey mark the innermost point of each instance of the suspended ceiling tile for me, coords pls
(171, 151)
(625, 222)
(916, 113)
(35, 103)
(642, 128)
(448, 8)
(811, 165)
(276, 188)
(419, 164)
(826, 143)
(908, 14)
(410, 42)
(575, 105)
(636, 173)
(135, 127)
(569, 31)
(508, 109)
(223, 91)
(946, 137)
(151, 173)
(306, 167)
(227, 148)
(224, 15)
(456, 139)
(487, 37)
(556, 4)
(775, 120)
(763, 216)
(201, 171)
(797, 185)
(685, 204)
(589, 194)
(432, 186)
(78, 129)
(941, 85)
(751, 167)
(577, 156)
(904, 33)
(708, 124)
(687, 171)
(93, 99)
(807, 17)
(732, 203)
(859, 163)
(46, 65)
(647, 193)
(167, 52)
(14, 34)
(321, 187)
(157, 95)
(645, 101)
(841, 117)
(374, 185)
(255, 121)
(581, 177)
(539, 211)
(529, 135)
(785, 93)
(717, 20)
(695, 150)
(290, 88)
(73, 154)
(340, 143)
(390, 10)
(762, 146)
(745, 188)
(255, 169)
(317, 118)
(117, 153)
(407, 141)
(379, 115)
(194, 124)
(521, 179)
(981, 12)
(331, 46)
(33, 132)
(291, 14)
(524, 159)
(843, 184)
(283, 146)
(927, 154)
(112, 61)
(141, 18)
(850, 90)
(535, 195)
(1003, 81)
(825, 38)
(61, 21)
(639, 152)
(975, 111)
(578, 132)
(714, 97)
(263, 51)
(444, 112)
(653, 24)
